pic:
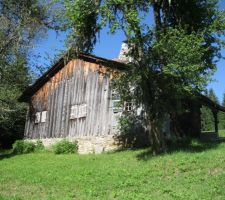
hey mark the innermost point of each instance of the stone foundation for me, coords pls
(87, 144)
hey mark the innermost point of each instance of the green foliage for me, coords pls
(207, 115)
(21, 24)
(182, 55)
(222, 115)
(83, 22)
(21, 147)
(65, 147)
(18, 147)
(211, 94)
(222, 133)
(39, 146)
(12, 115)
(207, 119)
(132, 134)
(196, 172)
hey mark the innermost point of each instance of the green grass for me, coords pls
(222, 133)
(196, 172)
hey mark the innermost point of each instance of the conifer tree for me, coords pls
(206, 113)
(222, 116)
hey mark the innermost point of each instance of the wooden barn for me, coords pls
(74, 99)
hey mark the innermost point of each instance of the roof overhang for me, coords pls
(211, 104)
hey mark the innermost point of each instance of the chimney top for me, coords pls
(123, 55)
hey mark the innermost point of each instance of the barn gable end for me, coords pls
(76, 103)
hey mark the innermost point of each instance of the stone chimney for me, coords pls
(123, 57)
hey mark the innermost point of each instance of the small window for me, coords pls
(116, 102)
(128, 106)
(40, 117)
(117, 106)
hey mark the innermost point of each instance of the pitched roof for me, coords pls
(31, 90)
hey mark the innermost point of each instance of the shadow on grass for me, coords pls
(190, 146)
(6, 154)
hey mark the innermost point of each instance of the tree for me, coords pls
(212, 96)
(206, 113)
(21, 23)
(207, 119)
(222, 116)
(172, 58)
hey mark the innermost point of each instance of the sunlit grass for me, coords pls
(196, 173)
(222, 133)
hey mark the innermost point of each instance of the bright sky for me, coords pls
(109, 47)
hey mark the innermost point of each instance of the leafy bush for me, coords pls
(132, 134)
(65, 147)
(18, 147)
(28, 147)
(39, 146)
(21, 146)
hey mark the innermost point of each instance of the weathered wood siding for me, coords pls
(79, 82)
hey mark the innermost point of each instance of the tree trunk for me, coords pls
(156, 137)
(157, 16)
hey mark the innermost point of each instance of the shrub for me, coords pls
(65, 147)
(21, 146)
(39, 145)
(18, 147)
(28, 147)
(132, 133)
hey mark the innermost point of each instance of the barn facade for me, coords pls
(75, 100)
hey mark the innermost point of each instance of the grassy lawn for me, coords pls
(196, 172)
(222, 133)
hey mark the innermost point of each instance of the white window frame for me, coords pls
(116, 103)
(40, 117)
(128, 106)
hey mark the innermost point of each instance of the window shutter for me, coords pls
(37, 117)
(43, 116)
(74, 112)
(82, 110)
